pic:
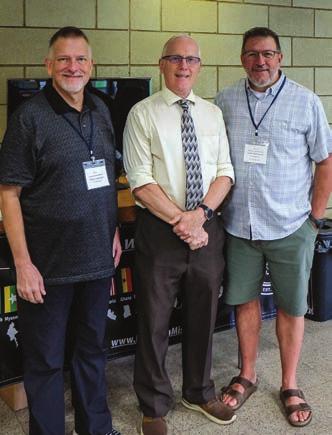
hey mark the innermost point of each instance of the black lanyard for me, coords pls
(250, 111)
(89, 142)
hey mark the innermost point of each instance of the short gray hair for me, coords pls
(67, 32)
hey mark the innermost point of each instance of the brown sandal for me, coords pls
(249, 388)
(289, 409)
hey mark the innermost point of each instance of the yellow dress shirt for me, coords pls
(153, 150)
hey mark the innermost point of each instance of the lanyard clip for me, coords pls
(92, 157)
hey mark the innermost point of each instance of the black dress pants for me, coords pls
(164, 265)
(43, 329)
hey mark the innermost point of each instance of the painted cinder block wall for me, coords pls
(127, 36)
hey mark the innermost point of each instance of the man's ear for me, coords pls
(48, 66)
(161, 65)
(281, 56)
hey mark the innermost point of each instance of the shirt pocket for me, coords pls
(209, 149)
(289, 136)
(290, 129)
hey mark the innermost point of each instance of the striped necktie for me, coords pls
(194, 181)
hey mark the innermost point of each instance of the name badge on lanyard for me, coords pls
(95, 174)
(256, 152)
(94, 170)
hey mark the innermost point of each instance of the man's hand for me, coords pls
(201, 239)
(188, 223)
(117, 249)
(30, 283)
(188, 226)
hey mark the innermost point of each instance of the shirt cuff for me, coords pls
(138, 177)
(226, 171)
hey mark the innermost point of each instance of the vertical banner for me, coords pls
(121, 316)
(121, 321)
(10, 360)
(10, 354)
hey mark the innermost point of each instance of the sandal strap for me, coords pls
(292, 393)
(299, 407)
(231, 392)
(242, 381)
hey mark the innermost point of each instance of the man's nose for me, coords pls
(73, 63)
(183, 62)
(260, 59)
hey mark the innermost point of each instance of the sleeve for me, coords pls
(319, 135)
(17, 154)
(225, 167)
(137, 157)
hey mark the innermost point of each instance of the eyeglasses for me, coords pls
(267, 54)
(66, 60)
(176, 59)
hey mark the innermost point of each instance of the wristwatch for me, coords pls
(318, 222)
(208, 212)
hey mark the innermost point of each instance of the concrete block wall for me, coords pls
(127, 37)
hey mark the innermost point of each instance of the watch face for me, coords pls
(209, 213)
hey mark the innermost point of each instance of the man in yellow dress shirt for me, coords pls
(179, 240)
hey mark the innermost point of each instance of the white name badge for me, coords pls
(254, 153)
(95, 174)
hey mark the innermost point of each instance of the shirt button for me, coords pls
(84, 125)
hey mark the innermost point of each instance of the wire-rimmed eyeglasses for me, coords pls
(177, 59)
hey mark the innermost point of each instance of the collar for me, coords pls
(59, 105)
(171, 98)
(272, 90)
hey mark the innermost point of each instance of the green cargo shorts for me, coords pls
(289, 259)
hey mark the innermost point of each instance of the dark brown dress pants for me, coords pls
(164, 266)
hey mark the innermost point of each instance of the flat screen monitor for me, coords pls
(119, 94)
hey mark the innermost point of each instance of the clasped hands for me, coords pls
(188, 226)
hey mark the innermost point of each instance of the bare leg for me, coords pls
(248, 324)
(290, 332)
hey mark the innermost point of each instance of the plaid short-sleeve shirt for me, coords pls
(270, 201)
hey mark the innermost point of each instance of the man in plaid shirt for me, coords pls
(276, 130)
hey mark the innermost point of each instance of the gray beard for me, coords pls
(261, 85)
(268, 83)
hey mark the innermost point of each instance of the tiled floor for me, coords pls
(261, 414)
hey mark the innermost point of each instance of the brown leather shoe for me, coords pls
(214, 410)
(153, 426)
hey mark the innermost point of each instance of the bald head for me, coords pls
(167, 49)
(180, 64)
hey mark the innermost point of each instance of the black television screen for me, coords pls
(119, 94)
(20, 90)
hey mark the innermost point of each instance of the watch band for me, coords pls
(208, 212)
